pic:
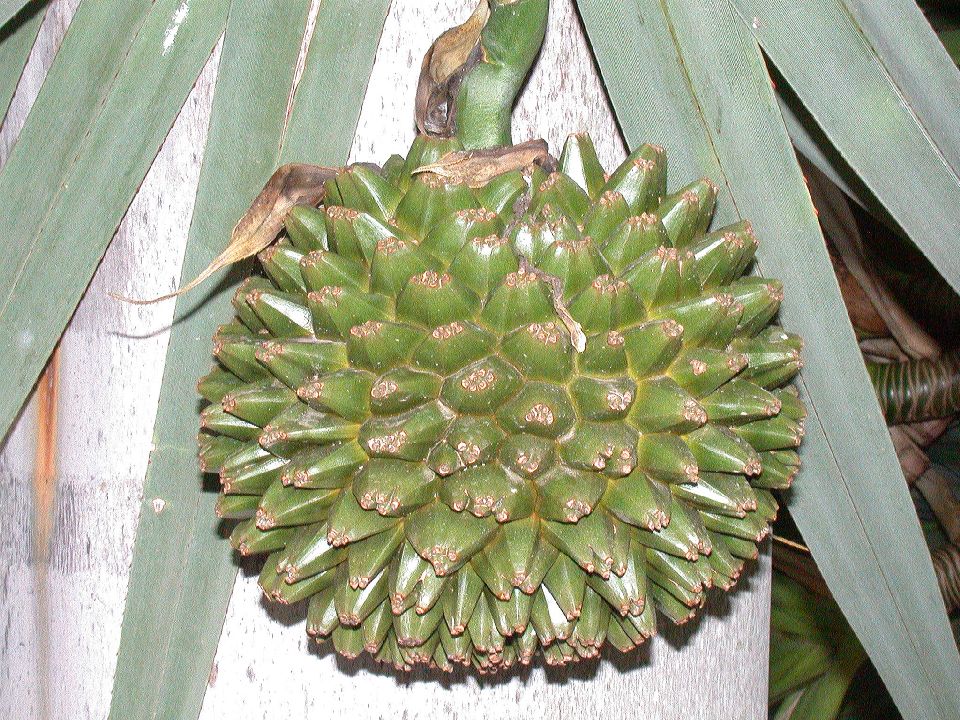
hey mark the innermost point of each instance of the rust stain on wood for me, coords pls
(45, 458)
(44, 495)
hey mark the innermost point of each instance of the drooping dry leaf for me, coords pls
(924, 432)
(800, 566)
(884, 349)
(577, 336)
(292, 184)
(444, 66)
(937, 490)
(476, 168)
(946, 563)
(451, 50)
(863, 314)
(913, 460)
(841, 227)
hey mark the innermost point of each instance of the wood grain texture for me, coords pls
(111, 366)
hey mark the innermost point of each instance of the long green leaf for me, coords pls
(925, 75)
(16, 41)
(71, 98)
(78, 161)
(878, 82)
(695, 81)
(951, 42)
(808, 140)
(328, 99)
(786, 709)
(10, 8)
(182, 573)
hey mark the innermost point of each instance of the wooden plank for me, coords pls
(263, 666)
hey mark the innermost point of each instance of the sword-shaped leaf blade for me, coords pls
(16, 41)
(182, 574)
(885, 92)
(117, 83)
(695, 80)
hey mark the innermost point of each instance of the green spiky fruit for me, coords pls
(468, 424)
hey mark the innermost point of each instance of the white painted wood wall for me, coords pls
(61, 623)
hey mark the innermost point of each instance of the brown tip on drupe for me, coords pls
(367, 329)
(672, 329)
(694, 412)
(337, 538)
(609, 198)
(644, 164)
(733, 240)
(615, 339)
(265, 520)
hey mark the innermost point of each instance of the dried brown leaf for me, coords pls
(575, 330)
(925, 432)
(883, 349)
(476, 168)
(801, 567)
(913, 460)
(946, 563)
(444, 66)
(937, 490)
(452, 49)
(863, 314)
(292, 184)
(841, 228)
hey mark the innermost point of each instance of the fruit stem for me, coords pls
(473, 73)
(510, 44)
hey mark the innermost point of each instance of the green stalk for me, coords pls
(916, 390)
(509, 44)
(824, 697)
